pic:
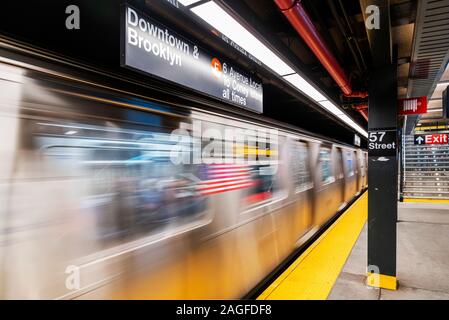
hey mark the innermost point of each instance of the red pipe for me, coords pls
(363, 109)
(364, 114)
(362, 106)
(357, 94)
(300, 20)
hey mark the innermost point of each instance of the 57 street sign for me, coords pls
(382, 143)
(438, 138)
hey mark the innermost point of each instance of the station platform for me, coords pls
(313, 274)
(334, 266)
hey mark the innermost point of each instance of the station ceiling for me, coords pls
(430, 74)
(417, 32)
(418, 41)
(266, 18)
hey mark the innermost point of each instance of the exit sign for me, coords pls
(438, 138)
(412, 106)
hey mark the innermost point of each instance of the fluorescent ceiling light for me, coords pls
(297, 81)
(328, 105)
(361, 131)
(352, 124)
(218, 18)
(346, 119)
(188, 2)
(332, 108)
(227, 25)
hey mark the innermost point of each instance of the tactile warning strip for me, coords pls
(313, 274)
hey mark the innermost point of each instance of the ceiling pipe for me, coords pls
(357, 94)
(352, 34)
(300, 20)
(348, 39)
(364, 114)
(363, 109)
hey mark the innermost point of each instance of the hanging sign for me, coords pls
(357, 140)
(412, 106)
(153, 48)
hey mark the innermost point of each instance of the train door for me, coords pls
(339, 174)
(301, 187)
(350, 174)
(327, 192)
(365, 159)
(261, 235)
(365, 166)
(362, 170)
(358, 170)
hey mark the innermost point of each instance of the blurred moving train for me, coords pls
(93, 207)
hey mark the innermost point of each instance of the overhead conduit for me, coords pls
(363, 109)
(300, 20)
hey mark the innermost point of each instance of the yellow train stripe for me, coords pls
(313, 274)
(426, 200)
(255, 151)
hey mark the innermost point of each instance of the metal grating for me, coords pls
(430, 52)
(426, 170)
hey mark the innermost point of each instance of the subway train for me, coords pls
(106, 194)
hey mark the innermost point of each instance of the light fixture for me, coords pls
(352, 124)
(329, 106)
(227, 25)
(218, 18)
(332, 108)
(305, 87)
(71, 132)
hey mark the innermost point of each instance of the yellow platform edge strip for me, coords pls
(426, 200)
(383, 281)
(313, 274)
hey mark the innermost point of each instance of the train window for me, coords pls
(339, 163)
(362, 165)
(264, 180)
(326, 169)
(299, 167)
(131, 186)
(349, 164)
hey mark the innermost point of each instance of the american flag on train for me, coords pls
(224, 178)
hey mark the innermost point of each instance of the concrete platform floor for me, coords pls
(422, 258)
